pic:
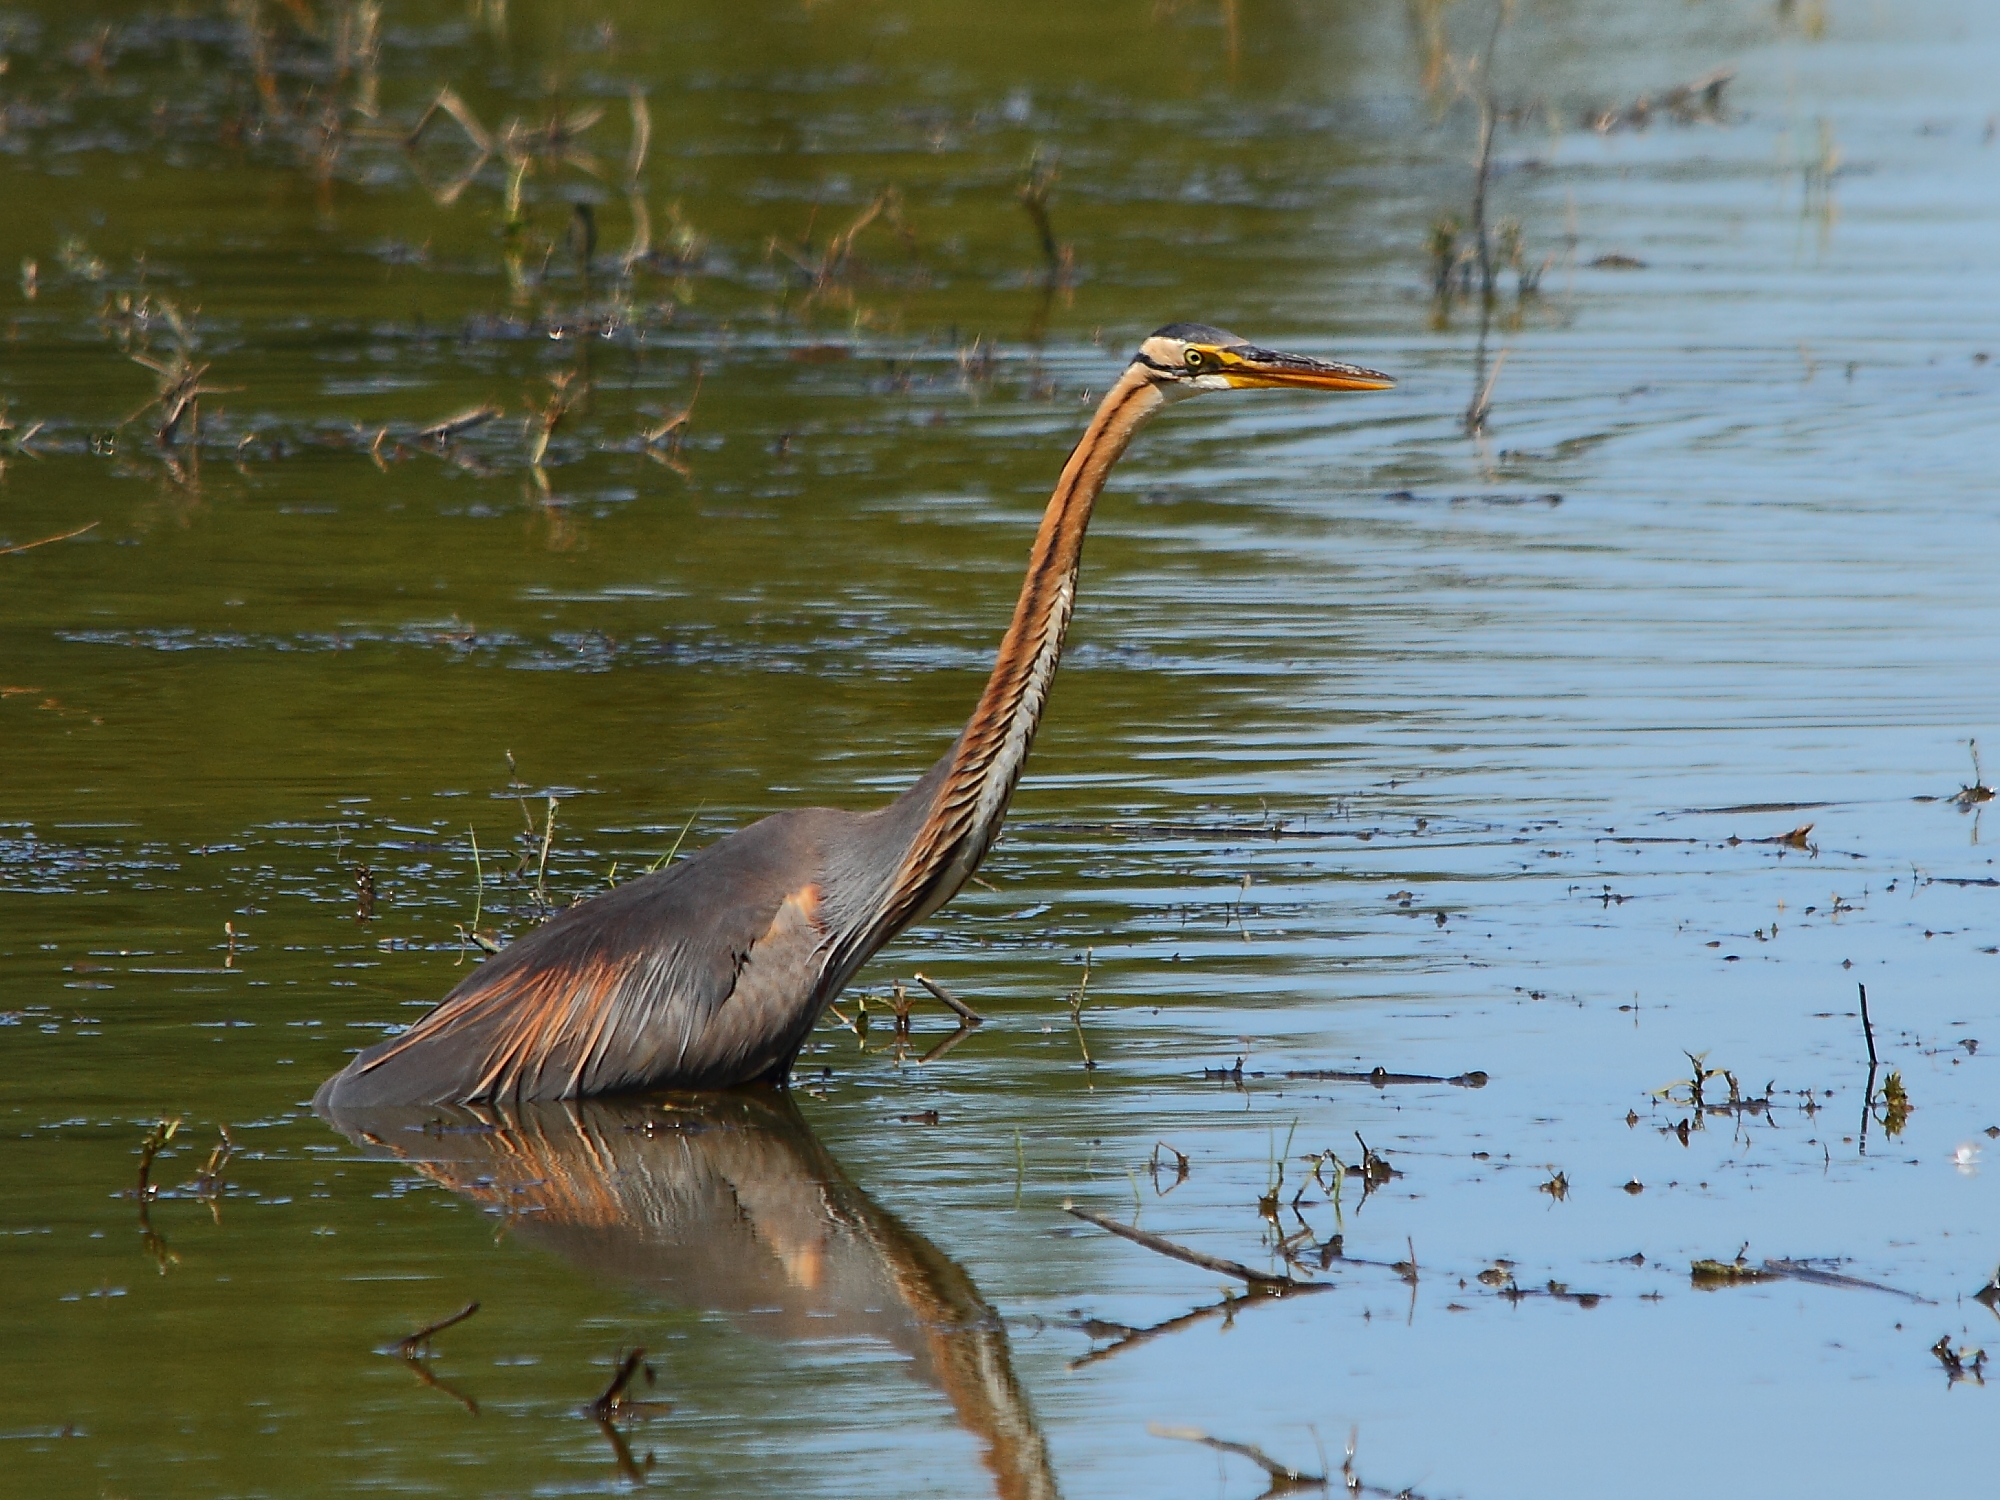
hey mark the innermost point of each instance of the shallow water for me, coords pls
(1369, 750)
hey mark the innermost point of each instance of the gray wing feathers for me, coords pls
(697, 976)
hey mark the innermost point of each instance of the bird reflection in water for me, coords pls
(729, 1203)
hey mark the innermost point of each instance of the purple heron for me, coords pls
(714, 970)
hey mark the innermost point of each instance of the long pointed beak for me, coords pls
(1248, 367)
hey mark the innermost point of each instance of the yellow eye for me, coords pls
(1194, 359)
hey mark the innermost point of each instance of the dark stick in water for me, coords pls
(410, 1347)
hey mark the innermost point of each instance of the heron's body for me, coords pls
(714, 970)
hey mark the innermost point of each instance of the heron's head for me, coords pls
(1184, 359)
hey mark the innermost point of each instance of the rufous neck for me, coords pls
(986, 762)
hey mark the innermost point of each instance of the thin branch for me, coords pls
(944, 996)
(1260, 1281)
(613, 1399)
(1283, 1476)
(62, 537)
(443, 432)
(410, 1347)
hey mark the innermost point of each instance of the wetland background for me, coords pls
(1626, 726)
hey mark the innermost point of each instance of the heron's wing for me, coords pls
(699, 975)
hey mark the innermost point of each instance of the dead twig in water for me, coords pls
(441, 433)
(1283, 1476)
(945, 997)
(1963, 1363)
(156, 1140)
(835, 264)
(418, 1343)
(614, 1401)
(181, 389)
(670, 433)
(59, 537)
(1482, 240)
(549, 416)
(207, 1184)
(472, 934)
(1488, 118)
(1258, 1281)
(1182, 1168)
(1868, 1091)
(1076, 1014)
(542, 863)
(1375, 1169)
(1978, 791)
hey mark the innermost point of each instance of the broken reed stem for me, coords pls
(1257, 1280)
(1076, 1014)
(1488, 117)
(478, 880)
(1482, 382)
(59, 537)
(944, 996)
(542, 864)
(549, 417)
(441, 433)
(1479, 236)
(208, 1181)
(668, 857)
(612, 1401)
(1868, 1093)
(472, 934)
(519, 788)
(412, 1346)
(156, 1139)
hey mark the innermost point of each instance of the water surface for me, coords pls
(1378, 743)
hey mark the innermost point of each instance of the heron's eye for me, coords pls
(1194, 359)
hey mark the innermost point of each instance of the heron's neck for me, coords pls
(983, 767)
